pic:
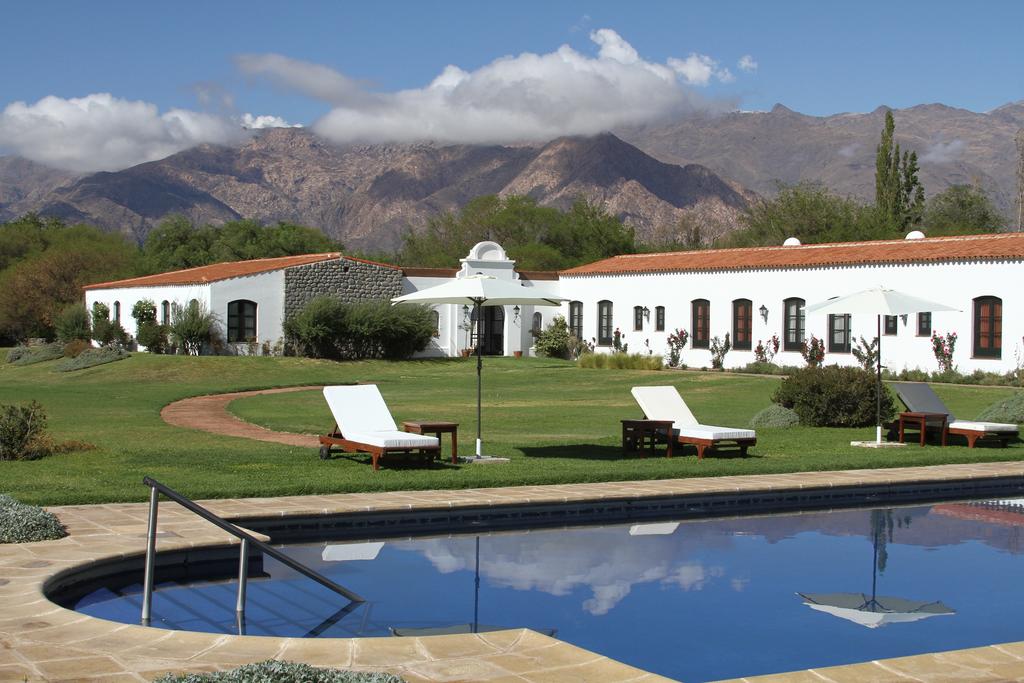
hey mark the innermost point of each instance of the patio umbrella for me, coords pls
(479, 290)
(879, 301)
(877, 610)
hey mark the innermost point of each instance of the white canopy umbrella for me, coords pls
(873, 612)
(878, 301)
(480, 290)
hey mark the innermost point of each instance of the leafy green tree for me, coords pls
(809, 212)
(899, 195)
(961, 210)
(537, 237)
(35, 290)
(144, 311)
(176, 244)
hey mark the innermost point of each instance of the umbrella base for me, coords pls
(877, 444)
(482, 460)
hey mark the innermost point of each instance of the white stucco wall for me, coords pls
(266, 289)
(129, 296)
(955, 284)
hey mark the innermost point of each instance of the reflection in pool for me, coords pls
(696, 600)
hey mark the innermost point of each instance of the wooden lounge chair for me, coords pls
(363, 424)
(918, 397)
(665, 404)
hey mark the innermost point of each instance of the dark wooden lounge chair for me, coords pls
(918, 397)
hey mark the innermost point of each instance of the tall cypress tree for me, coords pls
(899, 196)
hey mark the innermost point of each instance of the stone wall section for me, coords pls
(348, 279)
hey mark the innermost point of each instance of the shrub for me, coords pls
(676, 341)
(943, 348)
(620, 361)
(555, 341)
(765, 353)
(618, 342)
(329, 328)
(813, 351)
(20, 523)
(73, 323)
(833, 397)
(762, 368)
(92, 357)
(73, 348)
(273, 671)
(28, 355)
(144, 311)
(1009, 410)
(718, 351)
(775, 416)
(23, 432)
(153, 336)
(193, 327)
(866, 354)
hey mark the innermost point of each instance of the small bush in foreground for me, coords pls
(74, 347)
(193, 327)
(620, 361)
(20, 523)
(73, 323)
(1009, 410)
(273, 671)
(93, 357)
(23, 432)
(833, 397)
(775, 416)
(29, 355)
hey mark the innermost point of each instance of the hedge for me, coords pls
(92, 357)
(273, 671)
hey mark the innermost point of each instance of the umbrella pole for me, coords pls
(479, 371)
(476, 590)
(878, 387)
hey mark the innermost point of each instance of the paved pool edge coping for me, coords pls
(42, 641)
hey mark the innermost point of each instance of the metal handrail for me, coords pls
(156, 488)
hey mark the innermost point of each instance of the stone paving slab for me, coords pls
(42, 641)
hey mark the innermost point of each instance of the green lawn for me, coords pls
(556, 422)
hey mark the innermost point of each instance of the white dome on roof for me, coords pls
(791, 242)
(914, 235)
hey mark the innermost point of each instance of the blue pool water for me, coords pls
(695, 600)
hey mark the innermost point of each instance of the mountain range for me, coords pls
(706, 167)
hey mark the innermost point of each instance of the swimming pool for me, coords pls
(696, 600)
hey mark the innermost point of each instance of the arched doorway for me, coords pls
(493, 332)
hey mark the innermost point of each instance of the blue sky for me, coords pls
(815, 57)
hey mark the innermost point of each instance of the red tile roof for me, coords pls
(1001, 246)
(222, 271)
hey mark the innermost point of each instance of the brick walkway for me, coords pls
(210, 414)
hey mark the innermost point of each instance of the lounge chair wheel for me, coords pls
(325, 452)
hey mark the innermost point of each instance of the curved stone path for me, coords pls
(210, 414)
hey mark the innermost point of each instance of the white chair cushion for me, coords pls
(983, 426)
(392, 439)
(664, 403)
(715, 433)
(359, 407)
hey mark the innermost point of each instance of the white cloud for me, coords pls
(699, 70)
(266, 121)
(527, 97)
(100, 132)
(747, 64)
(944, 152)
(849, 151)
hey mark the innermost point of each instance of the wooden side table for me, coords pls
(437, 429)
(638, 433)
(919, 421)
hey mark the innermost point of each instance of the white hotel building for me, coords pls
(752, 294)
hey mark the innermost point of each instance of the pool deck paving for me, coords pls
(40, 640)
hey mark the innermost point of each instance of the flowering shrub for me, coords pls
(718, 351)
(943, 348)
(617, 343)
(766, 353)
(866, 354)
(813, 351)
(676, 341)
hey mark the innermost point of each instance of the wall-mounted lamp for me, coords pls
(465, 312)
(515, 314)
(764, 312)
(647, 313)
